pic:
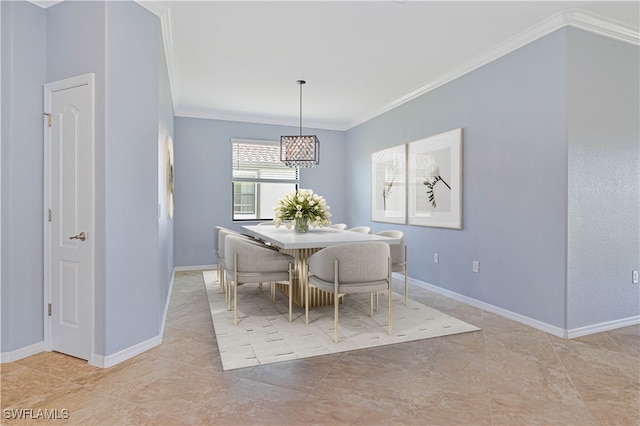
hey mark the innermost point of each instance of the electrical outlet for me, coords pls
(436, 258)
(634, 277)
(476, 266)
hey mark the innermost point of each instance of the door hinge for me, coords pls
(49, 215)
(49, 119)
(49, 309)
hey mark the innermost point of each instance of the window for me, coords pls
(259, 178)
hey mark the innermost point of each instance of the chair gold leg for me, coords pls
(335, 301)
(229, 294)
(235, 288)
(390, 315)
(406, 288)
(306, 298)
(335, 317)
(221, 277)
(371, 304)
(235, 302)
(290, 291)
(290, 305)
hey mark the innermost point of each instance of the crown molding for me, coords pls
(607, 28)
(259, 119)
(573, 18)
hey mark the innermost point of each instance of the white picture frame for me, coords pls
(434, 176)
(388, 185)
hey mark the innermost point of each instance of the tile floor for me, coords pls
(507, 374)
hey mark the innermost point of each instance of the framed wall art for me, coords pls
(170, 190)
(388, 185)
(435, 180)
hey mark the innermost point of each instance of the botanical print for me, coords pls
(435, 180)
(433, 171)
(388, 189)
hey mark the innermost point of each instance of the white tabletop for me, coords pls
(314, 238)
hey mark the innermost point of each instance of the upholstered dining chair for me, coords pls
(222, 233)
(253, 262)
(363, 267)
(219, 253)
(398, 259)
(363, 229)
(341, 226)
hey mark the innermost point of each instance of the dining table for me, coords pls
(301, 245)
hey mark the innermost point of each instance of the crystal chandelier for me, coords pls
(302, 150)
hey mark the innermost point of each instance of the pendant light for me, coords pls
(301, 150)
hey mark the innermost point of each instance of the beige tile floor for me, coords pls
(507, 374)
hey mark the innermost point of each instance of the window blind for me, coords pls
(259, 161)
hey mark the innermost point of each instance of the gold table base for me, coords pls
(317, 297)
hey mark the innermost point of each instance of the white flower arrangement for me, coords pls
(299, 205)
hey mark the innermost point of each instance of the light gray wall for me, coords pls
(551, 180)
(131, 161)
(203, 179)
(165, 224)
(604, 175)
(23, 75)
(120, 42)
(514, 119)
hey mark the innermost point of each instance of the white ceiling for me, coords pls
(239, 60)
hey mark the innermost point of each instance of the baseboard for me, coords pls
(125, 354)
(547, 328)
(100, 360)
(195, 268)
(22, 352)
(603, 326)
(97, 360)
(111, 360)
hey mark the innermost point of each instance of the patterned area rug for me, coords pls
(264, 335)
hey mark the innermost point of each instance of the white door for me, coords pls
(69, 188)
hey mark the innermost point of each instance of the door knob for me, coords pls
(81, 236)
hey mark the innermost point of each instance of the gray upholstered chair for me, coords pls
(363, 229)
(398, 258)
(219, 246)
(363, 267)
(341, 226)
(222, 233)
(249, 261)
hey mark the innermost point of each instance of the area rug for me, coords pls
(264, 335)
